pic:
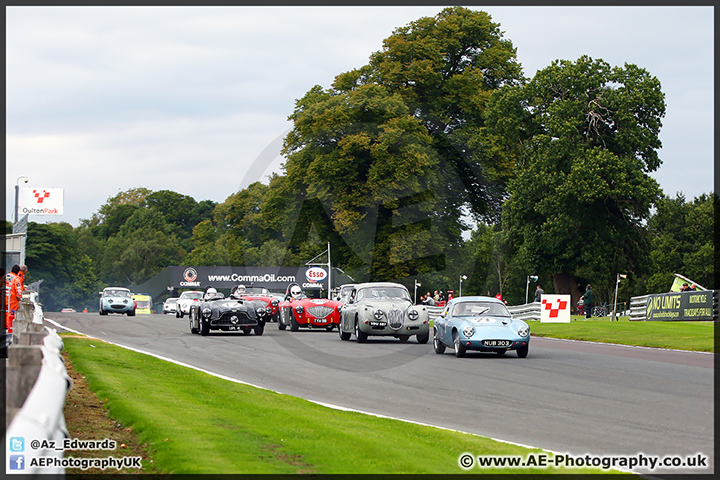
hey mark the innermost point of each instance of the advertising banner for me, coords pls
(697, 305)
(274, 279)
(555, 308)
(40, 201)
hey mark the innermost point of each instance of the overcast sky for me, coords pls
(196, 99)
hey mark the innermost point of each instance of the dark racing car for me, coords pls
(215, 312)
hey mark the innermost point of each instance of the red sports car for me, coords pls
(258, 293)
(300, 311)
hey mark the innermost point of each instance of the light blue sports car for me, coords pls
(479, 323)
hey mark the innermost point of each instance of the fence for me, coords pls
(36, 385)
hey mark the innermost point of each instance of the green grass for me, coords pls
(695, 336)
(193, 422)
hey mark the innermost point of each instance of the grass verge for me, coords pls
(694, 336)
(191, 422)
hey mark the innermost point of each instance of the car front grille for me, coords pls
(231, 319)
(319, 311)
(395, 318)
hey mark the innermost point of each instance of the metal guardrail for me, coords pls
(36, 384)
(528, 311)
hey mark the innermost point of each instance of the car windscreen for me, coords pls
(191, 295)
(143, 303)
(382, 293)
(479, 308)
(116, 293)
(256, 291)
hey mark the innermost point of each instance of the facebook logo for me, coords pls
(17, 462)
(17, 444)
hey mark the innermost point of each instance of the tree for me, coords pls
(69, 276)
(391, 149)
(583, 137)
(683, 241)
(445, 69)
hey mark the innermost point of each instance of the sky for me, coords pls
(195, 100)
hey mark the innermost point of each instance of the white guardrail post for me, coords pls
(36, 385)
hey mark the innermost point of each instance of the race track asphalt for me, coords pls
(569, 397)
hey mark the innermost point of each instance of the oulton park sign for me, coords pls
(275, 279)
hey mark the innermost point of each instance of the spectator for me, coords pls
(588, 301)
(692, 288)
(499, 296)
(436, 296)
(684, 287)
(428, 300)
(14, 287)
(538, 293)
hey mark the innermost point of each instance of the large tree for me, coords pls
(391, 149)
(583, 137)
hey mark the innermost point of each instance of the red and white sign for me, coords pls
(555, 308)
(316, 274)
(40, 201)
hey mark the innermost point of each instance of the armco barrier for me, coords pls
(36, 385)
(528, 311)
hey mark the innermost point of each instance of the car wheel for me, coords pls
(204, 328)
(360, 336)
(259, 330)
(438, 346)
(193, 330)
(523, 351)
(502, 352)
(459, 347)
(102, 312)
(179, 314)
(294, 325)
(131, 313)
(343, 335)
(245, 330)
(423, 338)
(404, 338)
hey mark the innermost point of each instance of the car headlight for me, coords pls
(299, 309)
(523, 331)
(207, 312)
(261, 311)
(413, 314)
(274, 302)
(468, 331)
(378, 314)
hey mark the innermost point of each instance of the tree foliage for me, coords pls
(583, 136)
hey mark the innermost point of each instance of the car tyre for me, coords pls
(102, 312)
(438, 346)
(459, 347)
(345, 336)
(131, 313)
(404, 338)
(179, 314)
(204, 328)
(294, 325)
(522, 352)
(259, 330)
(423, 339)
(360, 336)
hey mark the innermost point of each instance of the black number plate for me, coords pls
(496, 343)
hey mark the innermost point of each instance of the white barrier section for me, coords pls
(555, 308)
(41, 416)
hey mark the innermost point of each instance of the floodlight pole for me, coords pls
(617, 284)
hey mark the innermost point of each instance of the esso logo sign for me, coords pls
(316, 274)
